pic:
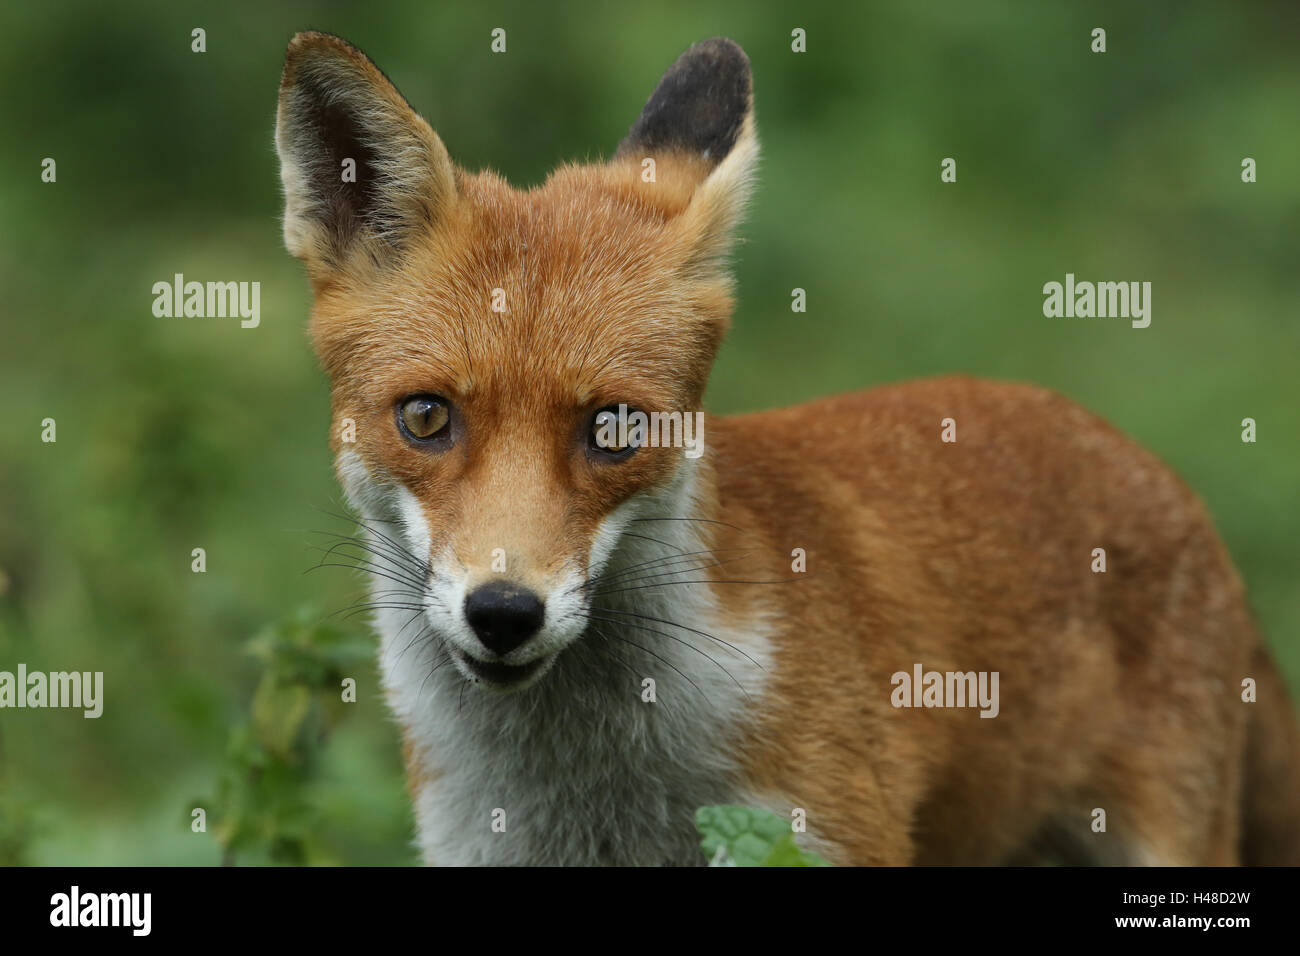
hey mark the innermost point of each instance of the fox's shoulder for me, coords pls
(942, 435)
(902, 401)
(916, 414)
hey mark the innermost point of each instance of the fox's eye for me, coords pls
(423, 417)
(612, 434)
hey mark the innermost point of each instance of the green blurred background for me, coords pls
(182, 433)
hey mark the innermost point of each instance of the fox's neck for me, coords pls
(636, 720)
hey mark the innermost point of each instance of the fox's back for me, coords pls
(1037, 542)
(990, 473)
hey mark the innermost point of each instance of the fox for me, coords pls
(585, 636)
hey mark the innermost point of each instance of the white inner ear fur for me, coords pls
(719, 202)
(415, 182)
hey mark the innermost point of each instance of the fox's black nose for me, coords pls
(503, 615)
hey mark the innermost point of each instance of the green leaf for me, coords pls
(744, 836)
(785, 852)
(278, 714)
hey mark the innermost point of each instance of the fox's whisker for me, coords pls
(433, 670)
(422, 634)
(661, 620)
(366, 568)
(692, 569)
(364, 525)
(701, 520)
(664, 661)
(370, 555)
(673, 637)
(367, 525)
(661, 584)
(692, 557)
(646, 537)
(605, 650)
(350, 612)
(410, 620)
(380, 549)
(342, 549)
(646, 571)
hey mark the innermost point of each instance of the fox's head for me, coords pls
(479, 337)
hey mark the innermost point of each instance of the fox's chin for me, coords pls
(498, 676)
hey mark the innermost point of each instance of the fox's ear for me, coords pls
(703, 111)
(361, 170)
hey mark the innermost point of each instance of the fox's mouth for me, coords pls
(504, 676)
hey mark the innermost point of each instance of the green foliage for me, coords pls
(18, 824)
(744, 836)
(261, 811)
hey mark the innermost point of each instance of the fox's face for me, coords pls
(481, 340)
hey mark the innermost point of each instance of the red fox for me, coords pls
(899, 641)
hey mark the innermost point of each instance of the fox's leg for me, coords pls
(1270, 781)
(1224, 838)
(873, 813)
(851, 819)
(1174, 766)
(1140, 830)
(1174, 799)
(886, 842)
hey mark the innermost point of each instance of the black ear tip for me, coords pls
(725, 54)
(700, 104)
(717, 63)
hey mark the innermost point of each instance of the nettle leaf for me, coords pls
(785, 852)
(265, 810)
(279, 711)
(305, 649)
(744, 836)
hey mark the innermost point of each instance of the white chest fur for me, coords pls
(578, 769)
(583, 768)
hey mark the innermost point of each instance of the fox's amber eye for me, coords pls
(612, 436)
(423, 417)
